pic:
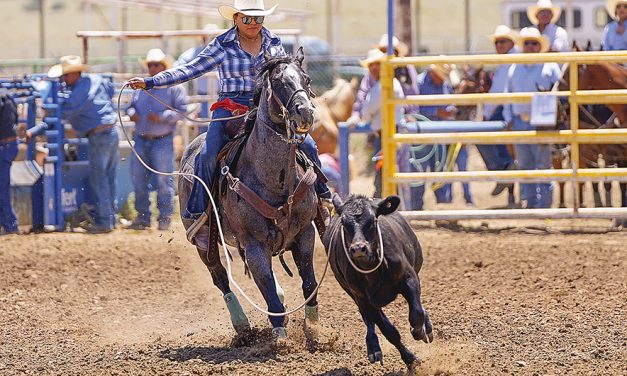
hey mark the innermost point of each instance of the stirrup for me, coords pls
(195, 227)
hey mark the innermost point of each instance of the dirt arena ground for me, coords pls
(505, 297)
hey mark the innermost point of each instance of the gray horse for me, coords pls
(284, 117)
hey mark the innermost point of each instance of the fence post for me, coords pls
(574, 126)
(343, 136)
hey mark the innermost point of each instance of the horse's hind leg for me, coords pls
(211, 259)
(302, 251)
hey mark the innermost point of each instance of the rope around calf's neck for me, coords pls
(218, 222)
(350, 260)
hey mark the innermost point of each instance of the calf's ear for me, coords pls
(388, 205)
(337, 203)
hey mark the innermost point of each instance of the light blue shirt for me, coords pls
(612, 41)
(143, 104)
(428, 87)
(89, 104)
(525, 78)
(499, 81)
(558, 38)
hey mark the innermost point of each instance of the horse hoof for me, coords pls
(280, 333)
(238, 317)
(311, 323)
(376, 357)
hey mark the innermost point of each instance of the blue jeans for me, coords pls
(205, 165)
(462, 165)
(8, 220)
(158, 154)
(103, 162)
(443, 194)
(496, 157)
(533, 157)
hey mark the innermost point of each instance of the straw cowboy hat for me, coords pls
(155, 55)
(251, 8)
(531, 33)
(504, 32)
(442, 70)
(532, 11)
(375, 55)
(611, 5)
(68, 64)
(400, 47)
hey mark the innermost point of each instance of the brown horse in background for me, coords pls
(332, 107)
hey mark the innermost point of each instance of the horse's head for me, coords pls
(475, 80)
(286, 87)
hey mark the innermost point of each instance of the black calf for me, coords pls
(353, 242)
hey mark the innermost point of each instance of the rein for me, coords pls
(350, 260)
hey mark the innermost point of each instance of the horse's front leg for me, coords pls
(302, 252)
(260, 264)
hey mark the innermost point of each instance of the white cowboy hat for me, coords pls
(532, 11)
(531, 33)
(374, 55)
(399, 46)
(611, 5)
(251, 8)
(156, 56)
(68, 64)
(504, 32)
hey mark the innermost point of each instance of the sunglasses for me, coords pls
(151, 65)
(247, 20)
(532, 43)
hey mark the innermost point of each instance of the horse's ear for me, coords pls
(576, 47)
(337, 203)
(300, 56)
(388, 205)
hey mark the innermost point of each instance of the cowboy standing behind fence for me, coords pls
(154, 135)
(615, 35)
(529, 78)
(237, 55)
(8, 152)
(89, 108)
(544, 16)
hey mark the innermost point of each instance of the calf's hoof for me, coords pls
(412, 368)
(376, 356)
(238, 317)
(311, 323)
(420, 334)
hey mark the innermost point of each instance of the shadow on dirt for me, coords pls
(347, 372)
(253, 346)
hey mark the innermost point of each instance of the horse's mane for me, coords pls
(266, 68)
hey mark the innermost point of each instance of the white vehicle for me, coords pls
(587, 22)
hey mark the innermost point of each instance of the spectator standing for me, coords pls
(89, 109)
(498, 157)
(544, 15)
(154, 134)
(528, 78)
(8, 152)
(614, 35)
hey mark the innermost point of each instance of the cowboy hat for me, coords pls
(251, 8)
(531, 33)
(68, 64)
(400, 47)
(375, 55)
(442, 70)
(611, 5)
(155, 55)
(532, 11)
(504, 32)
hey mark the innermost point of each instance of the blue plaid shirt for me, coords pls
(237, 69)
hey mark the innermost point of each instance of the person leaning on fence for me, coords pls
(615, 35)
(237, 55)
(89, 108)
(544, 15)
(498, 157)
(8, 152)
(531, 78)
(154, 134)
(370, 105)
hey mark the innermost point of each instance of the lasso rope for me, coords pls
(213, 204)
